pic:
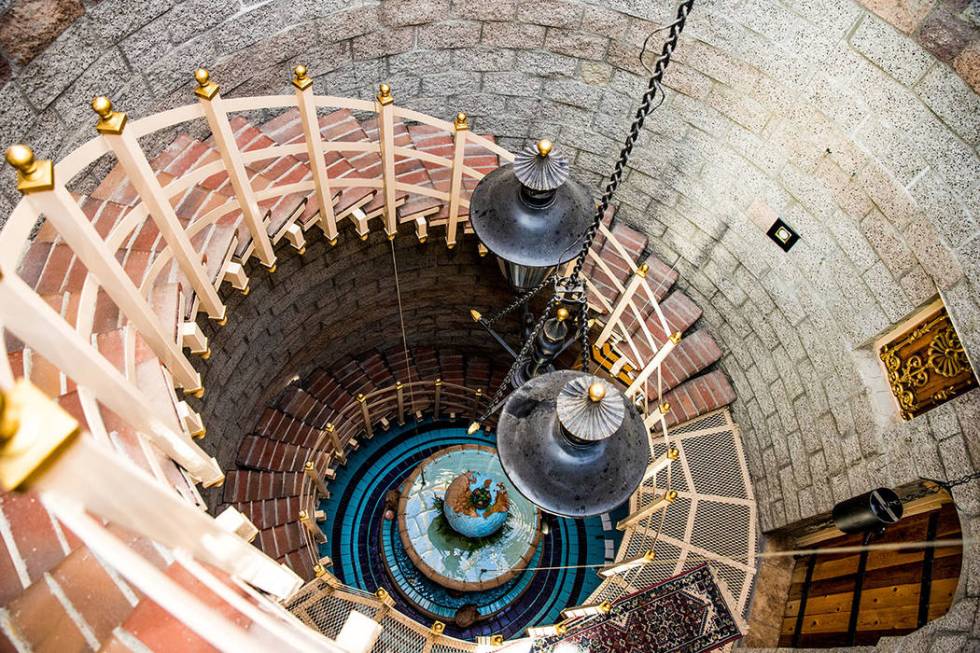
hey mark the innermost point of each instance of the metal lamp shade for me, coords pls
(574, 474)
(530, 229)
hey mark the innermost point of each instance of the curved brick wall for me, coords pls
(857, 125)
(331, 304)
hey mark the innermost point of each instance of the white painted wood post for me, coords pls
(624, 300)
(384, 104)
(61, 210)
(461, 127)
(194, 339)
(224, 140)
(32, 320)
(133, 160)
(661, 502)
(314, 149)
(654, 364)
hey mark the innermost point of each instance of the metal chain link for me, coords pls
(517, 303)
(646, 107)
(960, 481)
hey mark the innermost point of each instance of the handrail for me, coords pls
(101, 384)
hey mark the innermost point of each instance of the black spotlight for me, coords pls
(572, 444)
(531, 215)
(870, 512)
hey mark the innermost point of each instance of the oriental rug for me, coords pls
(688, 613)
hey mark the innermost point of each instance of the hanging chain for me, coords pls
(522, 299)
(646, 107)
(962, 480)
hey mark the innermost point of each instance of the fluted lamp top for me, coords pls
(540, 167)
(588, 411)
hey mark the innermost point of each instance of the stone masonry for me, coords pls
(857, 123)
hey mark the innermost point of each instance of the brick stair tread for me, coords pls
(267, 513)
(158, 630)
(279, 426)
(265, 454)
(343, 126)
(698, 396)
(303, 406)
(407, 171)
(39, 544)
(249, 485)
(283, 539)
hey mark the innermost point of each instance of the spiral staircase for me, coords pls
(101, 300)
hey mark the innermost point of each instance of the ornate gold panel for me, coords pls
(927, 365)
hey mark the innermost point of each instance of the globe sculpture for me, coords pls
(476, 505)
(462, 524)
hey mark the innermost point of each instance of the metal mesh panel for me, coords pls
(443, 647)
(718, 498)
(714, 463)
(398, 637)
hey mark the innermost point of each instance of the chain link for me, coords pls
(646, 107)
(517, 303)
(961, 480)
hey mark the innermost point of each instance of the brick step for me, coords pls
(698, 396)
(280, 427)
(436, 142)
(249, 485)
(267, 513)
(322, 385)
(263, 454)
(695, 353)
(283, 539)
(298, 403)
(407, 171)
(157, 630)
(286, 129)
(97, 601)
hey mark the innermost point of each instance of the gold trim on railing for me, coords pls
(32, 176)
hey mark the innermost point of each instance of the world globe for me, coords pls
(476, 505)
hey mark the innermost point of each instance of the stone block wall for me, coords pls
(857, 123)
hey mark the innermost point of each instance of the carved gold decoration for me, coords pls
(461, 122)
(384, 95)
(927, 365)
(301, 79)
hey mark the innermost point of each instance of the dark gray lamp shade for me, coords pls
(572, 444)
(531, 215)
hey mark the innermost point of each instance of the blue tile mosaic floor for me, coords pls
(358, 536)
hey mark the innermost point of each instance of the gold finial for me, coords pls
(438, 627)
(205, 87)
(475, 314)
(675, 337)
(673, 453)
(605, 607)
(329, 427)
(438, 382)
(308, 465)
(597, 391)
(671, 496)
(496, 640)
(473, 428)
(384, 94)
(197, 392)
(382, 594)
(102, 106)
(304, 516)
(545, 146)
(562, 314)
(318, 570)
(33, 430)
(482, 250)
(32, 175)
(665, 408)
(642, 270)
(461, 122)
(300, 78)
(561, 629)
(361, 398)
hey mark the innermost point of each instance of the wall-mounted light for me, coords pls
(783, 235)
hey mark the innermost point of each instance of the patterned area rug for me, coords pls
(685, 614)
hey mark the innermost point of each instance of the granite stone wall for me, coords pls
(858, 124)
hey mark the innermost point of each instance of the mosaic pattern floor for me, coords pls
(365, 547)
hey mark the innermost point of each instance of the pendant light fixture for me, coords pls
(569, 441)
(572, 444)
(531, 215)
